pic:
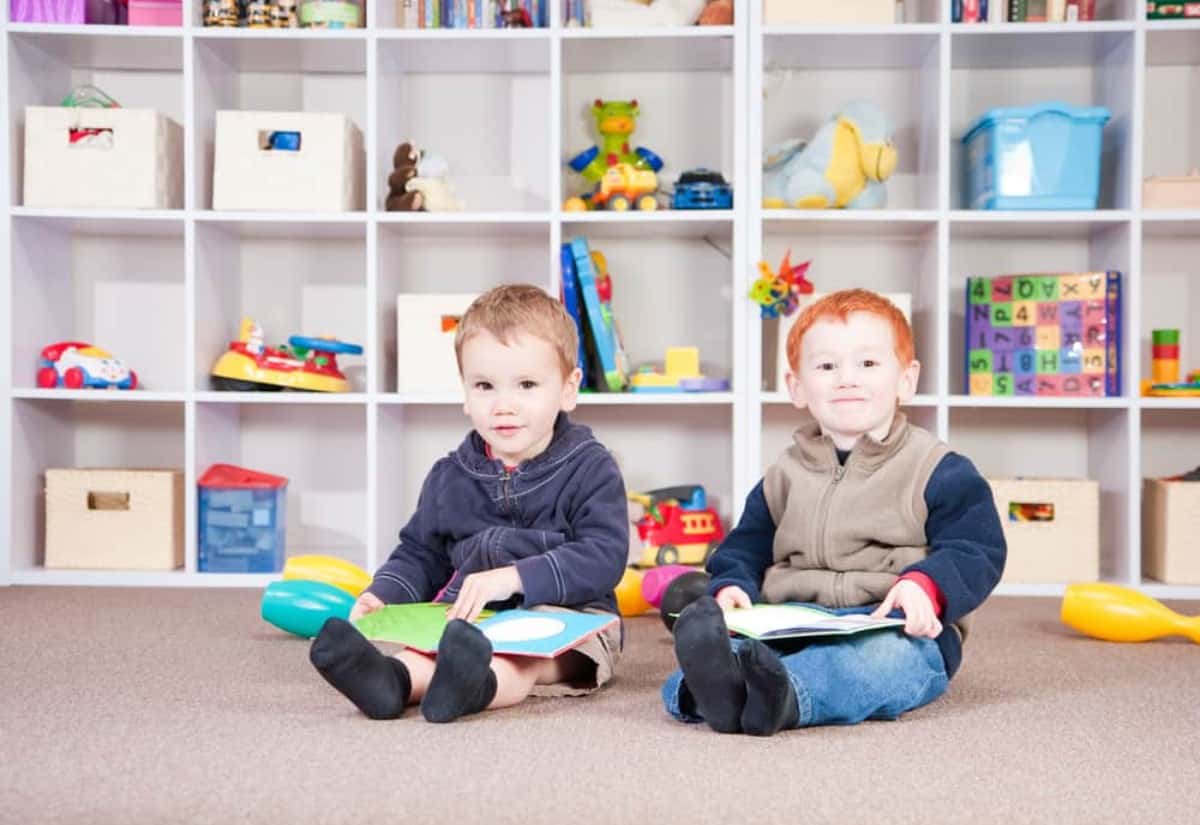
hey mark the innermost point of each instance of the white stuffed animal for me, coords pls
(436, 193)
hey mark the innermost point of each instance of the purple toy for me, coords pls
(46, 11)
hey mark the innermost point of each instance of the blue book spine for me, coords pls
(1112, 336)
(570, 299)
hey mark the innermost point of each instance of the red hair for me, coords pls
(839, 305)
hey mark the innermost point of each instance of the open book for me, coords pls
(789, 621)
(513, 632)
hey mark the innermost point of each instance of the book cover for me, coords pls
(601, 335)
(792, 621)
(1044, 335)
(512, 632)
(570, 299)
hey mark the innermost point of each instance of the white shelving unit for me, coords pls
(166, 289)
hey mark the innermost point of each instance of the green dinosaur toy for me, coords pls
(620, 174)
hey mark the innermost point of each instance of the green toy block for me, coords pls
(1002, 315)
(1026, 289)
(1047, 362)
(1003, 384)
(1047, 289)
(980, 360)
(979, 290)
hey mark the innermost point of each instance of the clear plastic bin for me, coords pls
(1045, 156)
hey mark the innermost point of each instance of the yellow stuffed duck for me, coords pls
(843, 166)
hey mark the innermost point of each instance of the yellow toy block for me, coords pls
(981, 383)
(1025, 314)
(1049, 337)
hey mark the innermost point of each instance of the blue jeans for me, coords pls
(842, 681)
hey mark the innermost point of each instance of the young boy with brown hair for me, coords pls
(528, 512)
(864, 513)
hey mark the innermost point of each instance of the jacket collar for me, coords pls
(568, 437)
(818, 452)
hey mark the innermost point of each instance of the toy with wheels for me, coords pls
(680, 593)
(1120, 614)
(843, 166)
(304, 363)
(657, 579)
(678, 527)
(623, 178)
(331, 570)
(77, 365)
(301, 607)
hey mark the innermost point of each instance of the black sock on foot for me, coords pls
(713, 675)
(463, 681)
(770, 700)
(378, 685)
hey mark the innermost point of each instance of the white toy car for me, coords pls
(75, 365)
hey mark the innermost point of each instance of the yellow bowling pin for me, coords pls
(1121, 614)
(328, 569)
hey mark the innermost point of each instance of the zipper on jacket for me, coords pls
(823, 517)
(505, 481)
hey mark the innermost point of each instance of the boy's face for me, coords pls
(849, 377)
(514, 392)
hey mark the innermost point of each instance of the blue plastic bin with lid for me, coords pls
(241, 521)
(1044, 156)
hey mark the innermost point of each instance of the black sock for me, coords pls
(713, 676)
(463, 681)
(770, 700)
(378, 685)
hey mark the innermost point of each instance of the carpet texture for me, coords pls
(163, 705)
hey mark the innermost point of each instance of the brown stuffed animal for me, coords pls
(717, 13)
(404, 163)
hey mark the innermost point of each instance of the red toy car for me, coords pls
(678, 528)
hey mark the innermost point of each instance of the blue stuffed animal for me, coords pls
(843, 166)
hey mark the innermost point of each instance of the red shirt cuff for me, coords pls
(931, 590)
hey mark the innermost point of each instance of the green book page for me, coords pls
(415, 625)
(781, 621)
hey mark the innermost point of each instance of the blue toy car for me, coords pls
(702, 189)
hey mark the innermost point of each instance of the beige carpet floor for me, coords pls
(160, 706)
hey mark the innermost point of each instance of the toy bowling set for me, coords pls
(1045, 156)
(287, 161)
(1056, 334)
(1052, 528)
(114, 519)
(79, 156)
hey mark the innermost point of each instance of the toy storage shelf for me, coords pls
(165, 288)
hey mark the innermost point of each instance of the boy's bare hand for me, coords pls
(919, 616)
(367, 603)
(480, 588)
(732, 596)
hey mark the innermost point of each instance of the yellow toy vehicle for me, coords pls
(623, 186)
(301, 364)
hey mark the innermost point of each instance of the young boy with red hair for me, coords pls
(864, 513)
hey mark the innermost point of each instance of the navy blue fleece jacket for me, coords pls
(966, 547)
(560, 518)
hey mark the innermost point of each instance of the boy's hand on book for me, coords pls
(732, 596)
(367, 603)
(480, 588)
(919, 616)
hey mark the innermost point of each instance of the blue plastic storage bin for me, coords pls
(242, 521)
(1045, 156)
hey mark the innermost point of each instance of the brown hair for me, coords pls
(512, 308)
(839, 305)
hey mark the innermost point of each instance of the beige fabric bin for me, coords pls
(1063, 549)
(114, 519)
(826, 12)
(324, 175)
(1171, 531)
(141, 169)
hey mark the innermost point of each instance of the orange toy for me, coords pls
(1121, 614)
